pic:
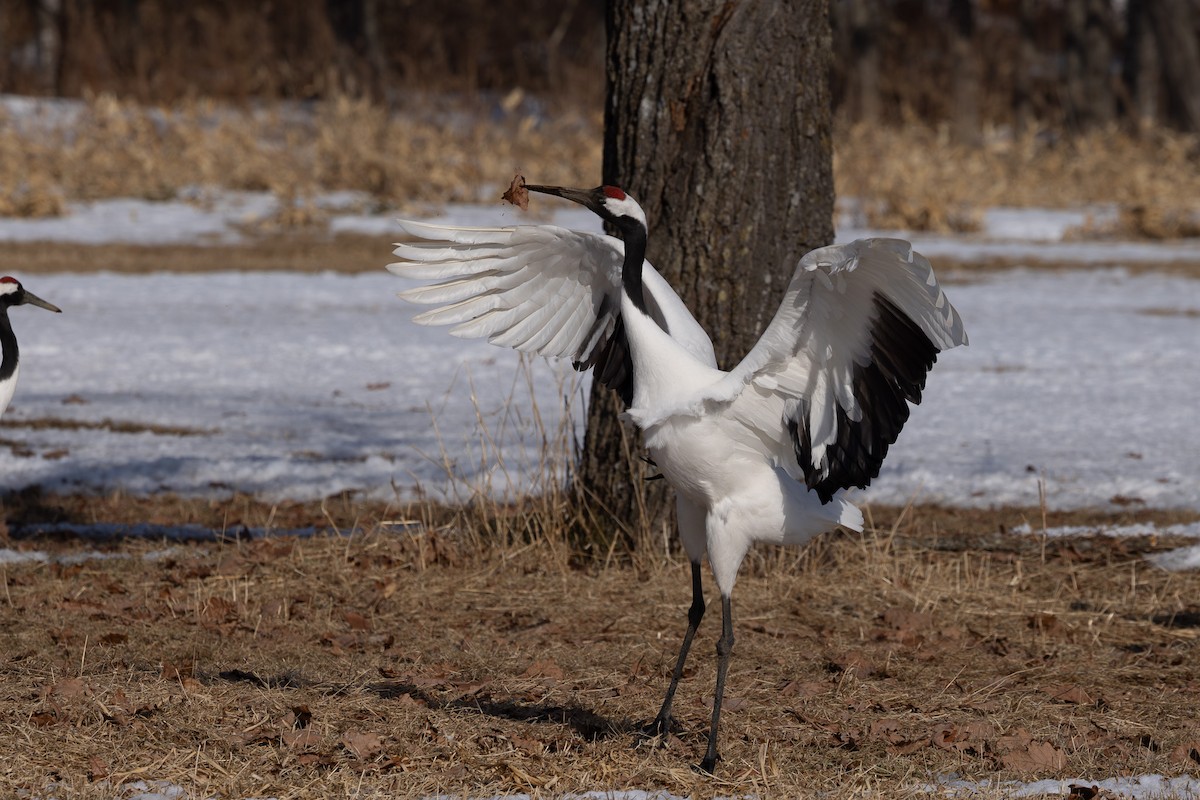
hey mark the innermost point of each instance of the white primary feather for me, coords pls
(539, 289)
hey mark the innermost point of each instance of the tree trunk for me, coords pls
(1090, 30)
(1028, 57)
(1141, 68)
(1176, 24)
(865, 21)
(966, 72)
(717, 121)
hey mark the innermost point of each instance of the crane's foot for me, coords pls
(708, 765)
(659, 729)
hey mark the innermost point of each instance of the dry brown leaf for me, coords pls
(1187, 753)
(544, 668)
(528, 745)
(43, 719)
(97, 768)
(1045, 622)
(1071, 693)
(733, 703)
(177, 671)
(967, 738)
(70, 689)
(362, 744)
(887, 730)
(1039, 757)
(854, 661)
(903, 619)
(1016, 740)
(517, 194)
(356, 621)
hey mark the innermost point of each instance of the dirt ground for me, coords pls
(410, 660)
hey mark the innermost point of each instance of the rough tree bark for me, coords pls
(966, 72)
(1091, 30)
(717, 121)
(1175, 24)
(1141, 71)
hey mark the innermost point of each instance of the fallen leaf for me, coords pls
(1045, 622)
(887, 730)
(733, 703)
(517, 194)
(968, 738)
(97, 768)
(903, 619)
(530, 746)
(1016, 740)
(299, 716)
(1071, 693)
(544, 668)
(854, 661)
(356, 621)
(1187, 753)
(1037, 757)
(177, 672)
(43, 719)
(70, 689)
(362, 744)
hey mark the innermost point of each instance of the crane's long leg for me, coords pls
(662, 723)
(724, 648)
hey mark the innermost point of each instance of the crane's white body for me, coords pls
(718, 437)
(755, 454)
(730, 492)
(12, 293)
(8, 387)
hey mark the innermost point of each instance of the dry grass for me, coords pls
(439, 150)
(117, 148)
(921, 179)
(291, 252)
(409, 661)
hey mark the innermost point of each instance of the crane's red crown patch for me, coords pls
(7, 279)
(614, 193)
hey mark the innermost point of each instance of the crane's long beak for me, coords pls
(33, 300)
(582, 196)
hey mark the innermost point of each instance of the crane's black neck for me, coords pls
(8, 346)
(634, 234)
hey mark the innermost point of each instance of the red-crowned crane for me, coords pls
(12, 293)
(757, 453)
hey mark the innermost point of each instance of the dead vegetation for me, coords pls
(408, 660)
(921, 178)
(438, 150)
(116, 148)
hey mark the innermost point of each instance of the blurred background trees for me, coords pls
(1063, 64)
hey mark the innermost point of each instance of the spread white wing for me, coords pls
(539, 289)
(826, 388)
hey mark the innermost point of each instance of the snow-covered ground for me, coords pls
(303, 385)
